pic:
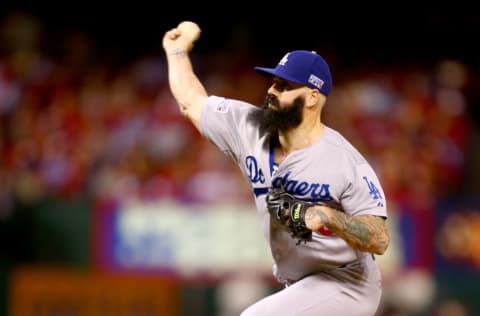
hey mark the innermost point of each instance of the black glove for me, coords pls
(290, 212)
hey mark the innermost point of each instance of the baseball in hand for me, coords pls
(189, 29)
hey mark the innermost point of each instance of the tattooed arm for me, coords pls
(364, 232)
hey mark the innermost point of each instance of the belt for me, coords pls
(289, 282)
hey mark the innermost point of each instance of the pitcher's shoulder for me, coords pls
(343, 146)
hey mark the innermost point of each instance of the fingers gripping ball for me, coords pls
(290, 212)
(189, 29)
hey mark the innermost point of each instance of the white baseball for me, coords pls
(190, 29)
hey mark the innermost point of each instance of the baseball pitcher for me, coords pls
(322, 208)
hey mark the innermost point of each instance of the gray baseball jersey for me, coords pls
(329, 170)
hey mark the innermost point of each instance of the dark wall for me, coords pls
(356, 34)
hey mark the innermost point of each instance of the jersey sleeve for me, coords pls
(364, 194)
(222, 122)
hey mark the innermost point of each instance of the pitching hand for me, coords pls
(182, 37)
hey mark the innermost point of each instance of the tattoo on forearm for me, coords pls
(364, 232)
(316, 215)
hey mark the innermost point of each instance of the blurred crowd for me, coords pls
(74, 122)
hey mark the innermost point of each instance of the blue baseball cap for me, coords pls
(302, 67)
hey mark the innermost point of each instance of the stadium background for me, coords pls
(108, 197)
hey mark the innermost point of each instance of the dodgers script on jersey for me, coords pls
(330, 170)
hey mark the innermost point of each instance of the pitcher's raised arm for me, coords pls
(185, 86)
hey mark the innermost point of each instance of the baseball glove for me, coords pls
(290, 212)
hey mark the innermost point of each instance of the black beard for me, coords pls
(282, 119)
